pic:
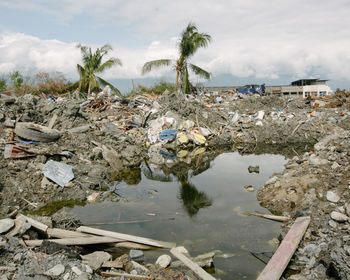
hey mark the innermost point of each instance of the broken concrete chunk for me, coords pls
(6, 225)
(112, 157)
(163, 261)
(57, 270)
(58, 172)
(96, 259)
(332, 197)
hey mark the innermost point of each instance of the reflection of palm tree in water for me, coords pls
(192, 199)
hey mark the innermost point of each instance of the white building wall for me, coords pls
(316, 90)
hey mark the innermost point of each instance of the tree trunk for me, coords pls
(177, 80)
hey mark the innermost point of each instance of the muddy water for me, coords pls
(208, 211)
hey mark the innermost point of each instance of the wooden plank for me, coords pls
(133, 245)
(279, 261)
(191, 265)
(52, 121)
(74, 241)
(127, 237)
(62, 233)
(39, 226)
(113, 264)
(270, 217)
(124, 275)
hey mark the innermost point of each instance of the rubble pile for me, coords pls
(317, 184)
(72, 150)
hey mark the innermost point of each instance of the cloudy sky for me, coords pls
(254, 41)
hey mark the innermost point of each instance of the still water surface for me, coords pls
(208, 209)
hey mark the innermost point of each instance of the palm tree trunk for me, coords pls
(89, 89)
(177, 80)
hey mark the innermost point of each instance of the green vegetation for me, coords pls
(92, 65)
(53, 207)
(190, 42)
(157, 88)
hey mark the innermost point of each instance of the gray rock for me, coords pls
(135, 254)
(205, 260)
(96, 259)
(339, 217)
(57, 270)
(332, 224)
(140, 269)
(163, 261)
(76, 270)
(311, 250)
(332, 196)
(6, 225)
(83, 276)
(314, 160)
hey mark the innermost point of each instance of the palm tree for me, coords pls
(190, 42)
(93, 64)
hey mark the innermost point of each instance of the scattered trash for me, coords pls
(253, 169)
(168, 134)
(58, 172)
(15, 152)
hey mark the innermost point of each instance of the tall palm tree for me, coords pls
(190, 42)
(93, 64)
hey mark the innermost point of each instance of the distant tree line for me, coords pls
(93, 63)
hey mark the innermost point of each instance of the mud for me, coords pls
(90, 128)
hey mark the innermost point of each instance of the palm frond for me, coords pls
(148, 66)
(105, 83)
(108, 64)
(200, 72)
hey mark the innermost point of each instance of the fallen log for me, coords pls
(126, 237)
(191, 265)
(279, 261)
(269, 217)
(75, 241)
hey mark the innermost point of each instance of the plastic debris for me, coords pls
(168, 134)
(197, 138)
(58, 172)
(182, 138)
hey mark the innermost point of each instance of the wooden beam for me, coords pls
(113, 264)
(39, 226)
(126, 237)
(132, 245)
(74, 241)
(62, 233)
(191, 265)
(52, 121)
(124, 275)
(270, 217)
(279, 261)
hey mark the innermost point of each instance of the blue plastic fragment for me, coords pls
(167, 134)
(167, 155)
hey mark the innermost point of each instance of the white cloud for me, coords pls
(251, 38)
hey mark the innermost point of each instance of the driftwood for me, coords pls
(132, 245)
(270, 217)
(113, 264)
(39, 226)
(191, 265)
(74, 241)
(124, 275)
(126, 237)
(62, 233)
(279, 261)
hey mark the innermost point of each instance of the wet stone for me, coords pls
(136, 254)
